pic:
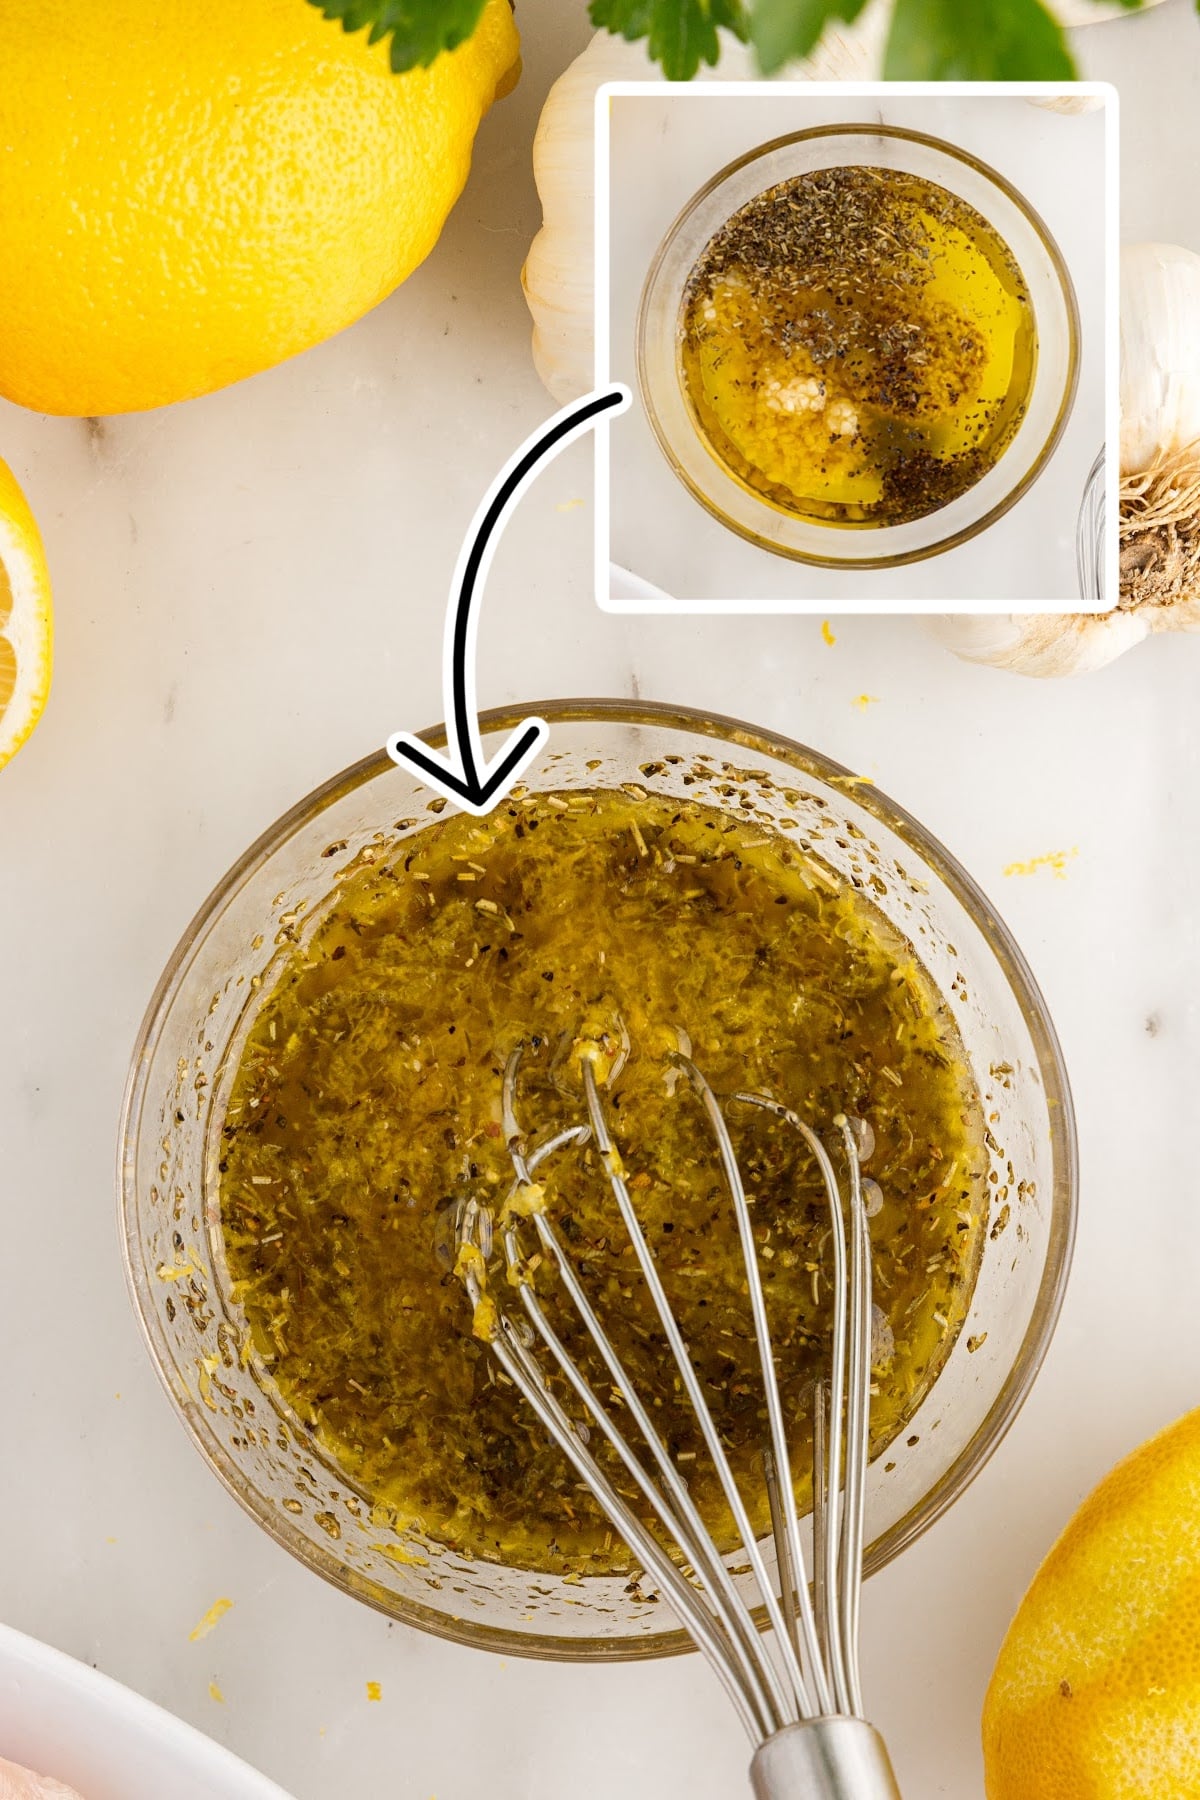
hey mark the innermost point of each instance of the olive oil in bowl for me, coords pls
(858, 346)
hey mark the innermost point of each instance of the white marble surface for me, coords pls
(249, 594)
(1056, 161)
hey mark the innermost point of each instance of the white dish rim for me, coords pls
(64, 1718)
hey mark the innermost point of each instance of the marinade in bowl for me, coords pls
(839, 896)
(367, 1098)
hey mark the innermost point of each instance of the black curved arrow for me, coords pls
(462, 774)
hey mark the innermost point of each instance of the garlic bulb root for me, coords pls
(1160, 537)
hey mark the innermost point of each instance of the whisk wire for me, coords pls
(789, 1551)
(827, 1469)
(681, 1520)
(797, 1692)
(783, 1562)
(819, 1526)
(801, 1706)
(523, 1371)
(857, 1419)
(719, 1589)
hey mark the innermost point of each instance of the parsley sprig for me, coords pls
(929, 40)
(419, 29)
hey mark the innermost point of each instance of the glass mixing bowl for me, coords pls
(713, 483)
(267, 904)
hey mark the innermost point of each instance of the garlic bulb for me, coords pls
(1042, 643)
(1160, 488)
(1160, 353)
(1160, 435)
(558, 272)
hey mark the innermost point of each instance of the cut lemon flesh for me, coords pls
(26, 630)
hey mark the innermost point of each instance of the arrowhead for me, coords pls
(461, 773)
(475, 792)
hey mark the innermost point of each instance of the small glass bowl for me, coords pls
(1090, 535)
(660, 327)
(270, 902)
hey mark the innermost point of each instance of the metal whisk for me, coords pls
(797, 1691)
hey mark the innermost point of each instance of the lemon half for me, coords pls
(26, 630)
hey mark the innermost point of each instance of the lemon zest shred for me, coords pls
(1054, 860)
(212, 1617)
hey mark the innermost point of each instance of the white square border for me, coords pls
(1103, 91)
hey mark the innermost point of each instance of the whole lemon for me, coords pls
(192, 190)
(1096, 1694)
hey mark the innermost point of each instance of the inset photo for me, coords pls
(871, 334)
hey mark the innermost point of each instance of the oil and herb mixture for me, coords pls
(368, 1096)
(858, 346)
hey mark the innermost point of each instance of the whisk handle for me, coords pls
(824, 1759)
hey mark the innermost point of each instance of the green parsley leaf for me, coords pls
(682, 34)
(419, 29)
(976, 40)
(782, 29)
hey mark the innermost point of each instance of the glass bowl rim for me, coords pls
(965, 533)
(735, 734)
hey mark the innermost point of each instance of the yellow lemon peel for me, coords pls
(26, 619)
(212, 1618)
(1096, 1691)
(196, 198)
(1054, 860)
